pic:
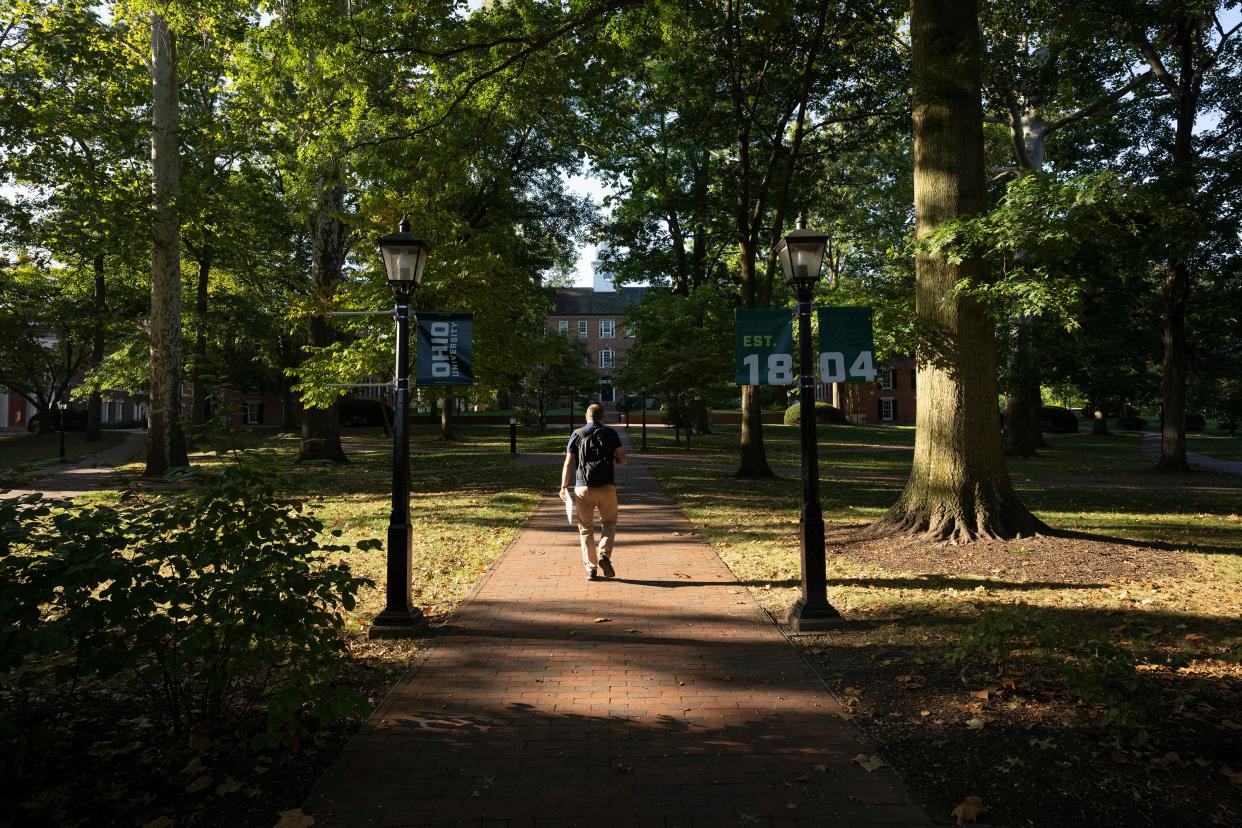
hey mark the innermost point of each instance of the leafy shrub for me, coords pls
(824, 414)
(1195, 422)
(216, 602)
(1131, 424)
(1057, 420)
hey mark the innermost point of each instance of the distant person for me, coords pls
(591, 458)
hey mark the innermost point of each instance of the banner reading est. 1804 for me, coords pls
(444, 349)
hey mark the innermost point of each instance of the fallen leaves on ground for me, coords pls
(971, 808)
(870, 763)
(294, 818)
(601, 620)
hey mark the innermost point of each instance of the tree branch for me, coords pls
(1157, 65)
(1091, 109)
(533, 45)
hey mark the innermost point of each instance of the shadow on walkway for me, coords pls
(613, 702)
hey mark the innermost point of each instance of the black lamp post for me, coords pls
(62, 406)
(404, 258)
(644, 392)
(801, 253)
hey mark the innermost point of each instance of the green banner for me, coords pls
(764, 347)
(846, 349)
(444, 349)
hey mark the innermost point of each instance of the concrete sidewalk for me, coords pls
(1151, 448)
(96, 471)
(664, 696)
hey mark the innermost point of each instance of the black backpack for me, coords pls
(594, 457)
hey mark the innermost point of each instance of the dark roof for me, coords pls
(586, 302)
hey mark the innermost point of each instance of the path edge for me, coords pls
(420, 658)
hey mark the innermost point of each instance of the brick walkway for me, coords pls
(661, 697)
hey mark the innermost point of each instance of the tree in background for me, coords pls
(72, 137)
(562, 367)
(682, 351)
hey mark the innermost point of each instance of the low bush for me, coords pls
(218, 602)
(1131, 424)
(824, 414)
(526, 415)
(1195, 422)
(1057, 420)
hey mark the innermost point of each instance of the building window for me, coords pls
(888, 378)
(582, 328)
(888, 409)
(605, 358)
(914, 378)
(562, 326)
(607, 329)
(254, 412)
(629, 331)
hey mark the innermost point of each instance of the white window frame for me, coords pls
(629, 331)
(888, 379)
(888, 409)
(254, 412)
(562, 326)
(607, 329)
(583, 328)
(606, 357)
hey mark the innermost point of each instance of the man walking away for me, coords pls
(591, 458)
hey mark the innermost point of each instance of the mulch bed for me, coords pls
(1063, 558)
(1035, 749)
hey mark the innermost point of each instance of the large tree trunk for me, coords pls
(753, 460)
(321, 430)
(94, 404)
(165, 443)
(1019, 433)
(197, 380)
(1099, 424)
(1176, 359)
(1186, 39)
(959, 489)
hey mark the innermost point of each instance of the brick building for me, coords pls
(597, 318)
(890, 399)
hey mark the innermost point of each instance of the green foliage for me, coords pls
(824, 413)
(1038, 233)
(216, 601)
(683, 348)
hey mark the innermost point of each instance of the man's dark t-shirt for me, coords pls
(611, 443)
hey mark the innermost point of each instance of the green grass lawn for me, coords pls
(23, 453)
(468, 499)
(1219, 445)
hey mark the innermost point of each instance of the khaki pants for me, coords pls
(586, 500)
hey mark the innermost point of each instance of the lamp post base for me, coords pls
(817, 617)
(398, 624)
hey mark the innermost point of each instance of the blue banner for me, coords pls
(444, 349)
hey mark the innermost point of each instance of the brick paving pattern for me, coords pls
(684, 707)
